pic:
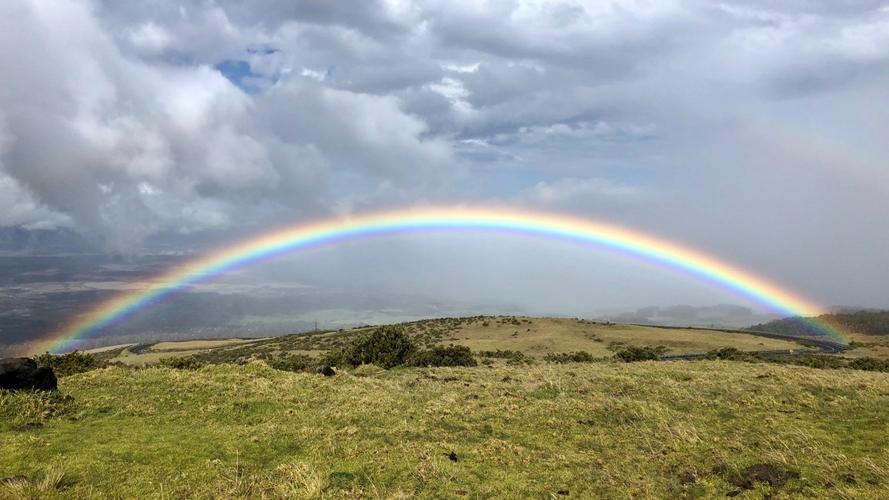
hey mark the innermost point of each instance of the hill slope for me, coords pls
(868, 330)
(535, 337)
(680, 429)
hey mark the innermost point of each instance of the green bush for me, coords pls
(334, 357)
(452, 355)
(386, 346)
(634, 353)
(727, 353)
(501, 353)
(69, 364)
(570, 357)
(810, 360)
(870, 364)
(182, 363)
(511, 357)
(293, 363)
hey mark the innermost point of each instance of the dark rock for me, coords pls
(326, 370)
(23, 374)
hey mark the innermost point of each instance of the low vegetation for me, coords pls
(453, 355)
(510, 356)
(821, 361)
(292, 362)
(22, 411)
(386, 346)
(70, 363)
(570, 357)
(409, 415)
(700, 429)
(639, 353)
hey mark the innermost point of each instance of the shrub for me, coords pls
(511, 357)
(334, 357)
(810, 360)
(293, 363)
(870, 364)
(452, 355)
(728, 353)
(570, 357)
(634, 353)
(69, 364)
(501, 353)
(386, 346)
(182, 363)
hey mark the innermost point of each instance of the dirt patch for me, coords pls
(774, 475)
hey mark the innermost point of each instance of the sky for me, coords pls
(754, 131)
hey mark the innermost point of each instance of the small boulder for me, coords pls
(18, 374)
(326, 370)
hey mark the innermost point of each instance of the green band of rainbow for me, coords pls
(561, 227)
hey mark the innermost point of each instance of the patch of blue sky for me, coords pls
(239, 73)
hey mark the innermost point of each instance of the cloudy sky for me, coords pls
(755, 132)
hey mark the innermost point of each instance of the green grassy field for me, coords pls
(612, 430)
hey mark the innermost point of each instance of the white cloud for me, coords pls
(584, 193)
(93, 125)
(149, 38)
(698, 119)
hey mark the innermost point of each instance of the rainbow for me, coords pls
(304, 236)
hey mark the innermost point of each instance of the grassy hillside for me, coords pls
(536, 337)
(655, 429)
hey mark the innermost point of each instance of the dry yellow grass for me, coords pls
(868, 346)
(540, 336)
(170, 349)
(150, 357)
(107, 348)
(199, 344)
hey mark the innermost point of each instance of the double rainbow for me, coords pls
(303, 236)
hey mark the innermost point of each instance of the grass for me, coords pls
(614, 430)
(538, 337)
(163, 350)
(186, 345)
(868, 346)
